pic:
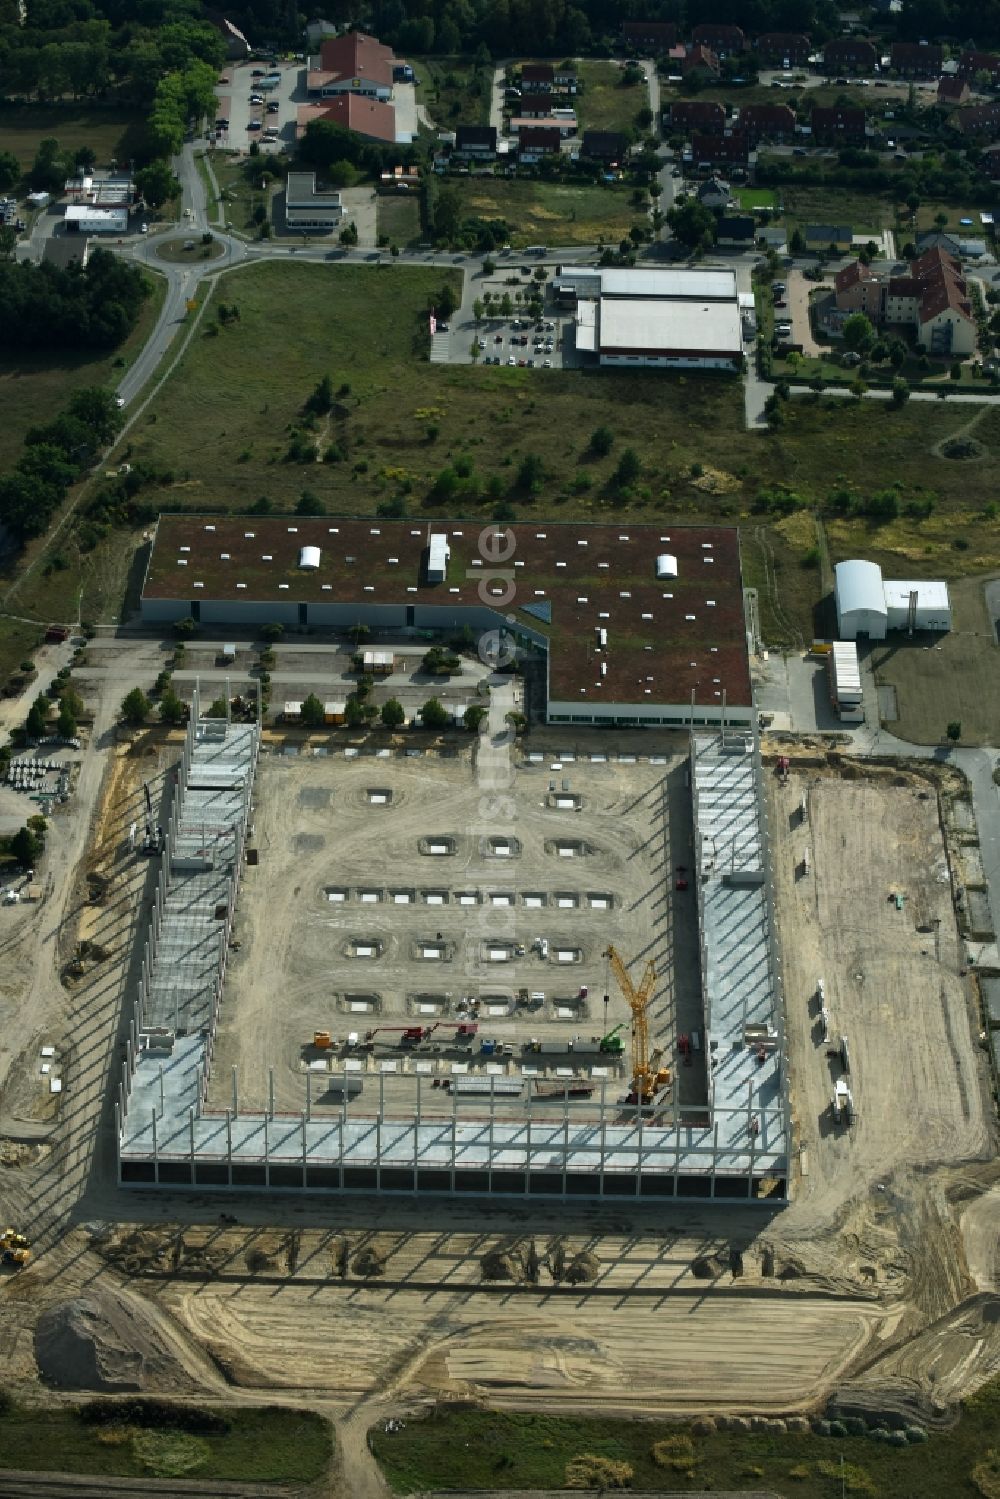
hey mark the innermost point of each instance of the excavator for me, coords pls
(647, 1077)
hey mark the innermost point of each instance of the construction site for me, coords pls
(540, 1002)
(810, 1220)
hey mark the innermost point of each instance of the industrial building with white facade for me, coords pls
(870, 605)
(658, 319)
(736, 1144)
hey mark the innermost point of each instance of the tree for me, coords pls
(156, 183)
(859, 333)
(797, 243)
(135, 707)
(27, 847)
(184, 628)
(321, 400)
(172, 709)
(10, 171)
(477, 310)
(8, 241)
(692, 224)
(601, 440)
(349, 234)
(354, 711)
(49, 169)
(70, 699)
(446, 301)
(65, 723)
(311, 713)
(473, 716)
(392, 714)
(37, 720)
(273, 630)
(217, 708)
(900, 391)
(954, 730)
(434, 715)
(629, 468)
(308, 504)
(531, 472)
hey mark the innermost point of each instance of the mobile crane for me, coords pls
(646, 1076)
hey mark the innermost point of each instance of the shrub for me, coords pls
(673, 1452)
(589, 1471)
(154, 1414)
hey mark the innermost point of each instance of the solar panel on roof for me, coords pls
(541, 610)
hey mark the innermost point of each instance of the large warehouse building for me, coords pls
(659, 319)
(870, 605)
(637, 624)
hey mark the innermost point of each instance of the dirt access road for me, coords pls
(718, 1308)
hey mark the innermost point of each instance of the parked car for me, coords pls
(547, 364)
(253, 125)
(444, 327)
(256, 98)
(498, 339)
(257, 73)
(511, 360)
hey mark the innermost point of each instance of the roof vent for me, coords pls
(309, 556)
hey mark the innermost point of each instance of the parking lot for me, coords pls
(278, 87)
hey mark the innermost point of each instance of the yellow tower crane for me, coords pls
(646, 1077)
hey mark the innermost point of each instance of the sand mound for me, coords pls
(93, 1344)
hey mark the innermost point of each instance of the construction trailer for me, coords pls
(845, 681)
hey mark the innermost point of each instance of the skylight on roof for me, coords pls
(241, 585)
(209, 528)
(623, 538)
(185, 549)
(334, 530)
(293, 530)
(199, 585)
(224, 556)
(282, 585)
(326, 587)
(266, 557)
(249, 535)
(375, 531)
(182, 562)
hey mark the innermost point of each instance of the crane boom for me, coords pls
(644, 1073)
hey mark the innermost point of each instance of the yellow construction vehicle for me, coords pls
(647, 1078)
(14, 1248)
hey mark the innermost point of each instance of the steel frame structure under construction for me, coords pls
(735, 1149)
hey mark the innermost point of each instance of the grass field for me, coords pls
(112, 133)
(552, 212)
(604, 103)
(756, 197)
(867, 213)
(928, 212)
(270, 1444)
(222, 424)
(453, 90)
(472, 1450)
(240, 186)
(34, 388)
(399, 218)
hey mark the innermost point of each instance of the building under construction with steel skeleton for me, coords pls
(735, 1149)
